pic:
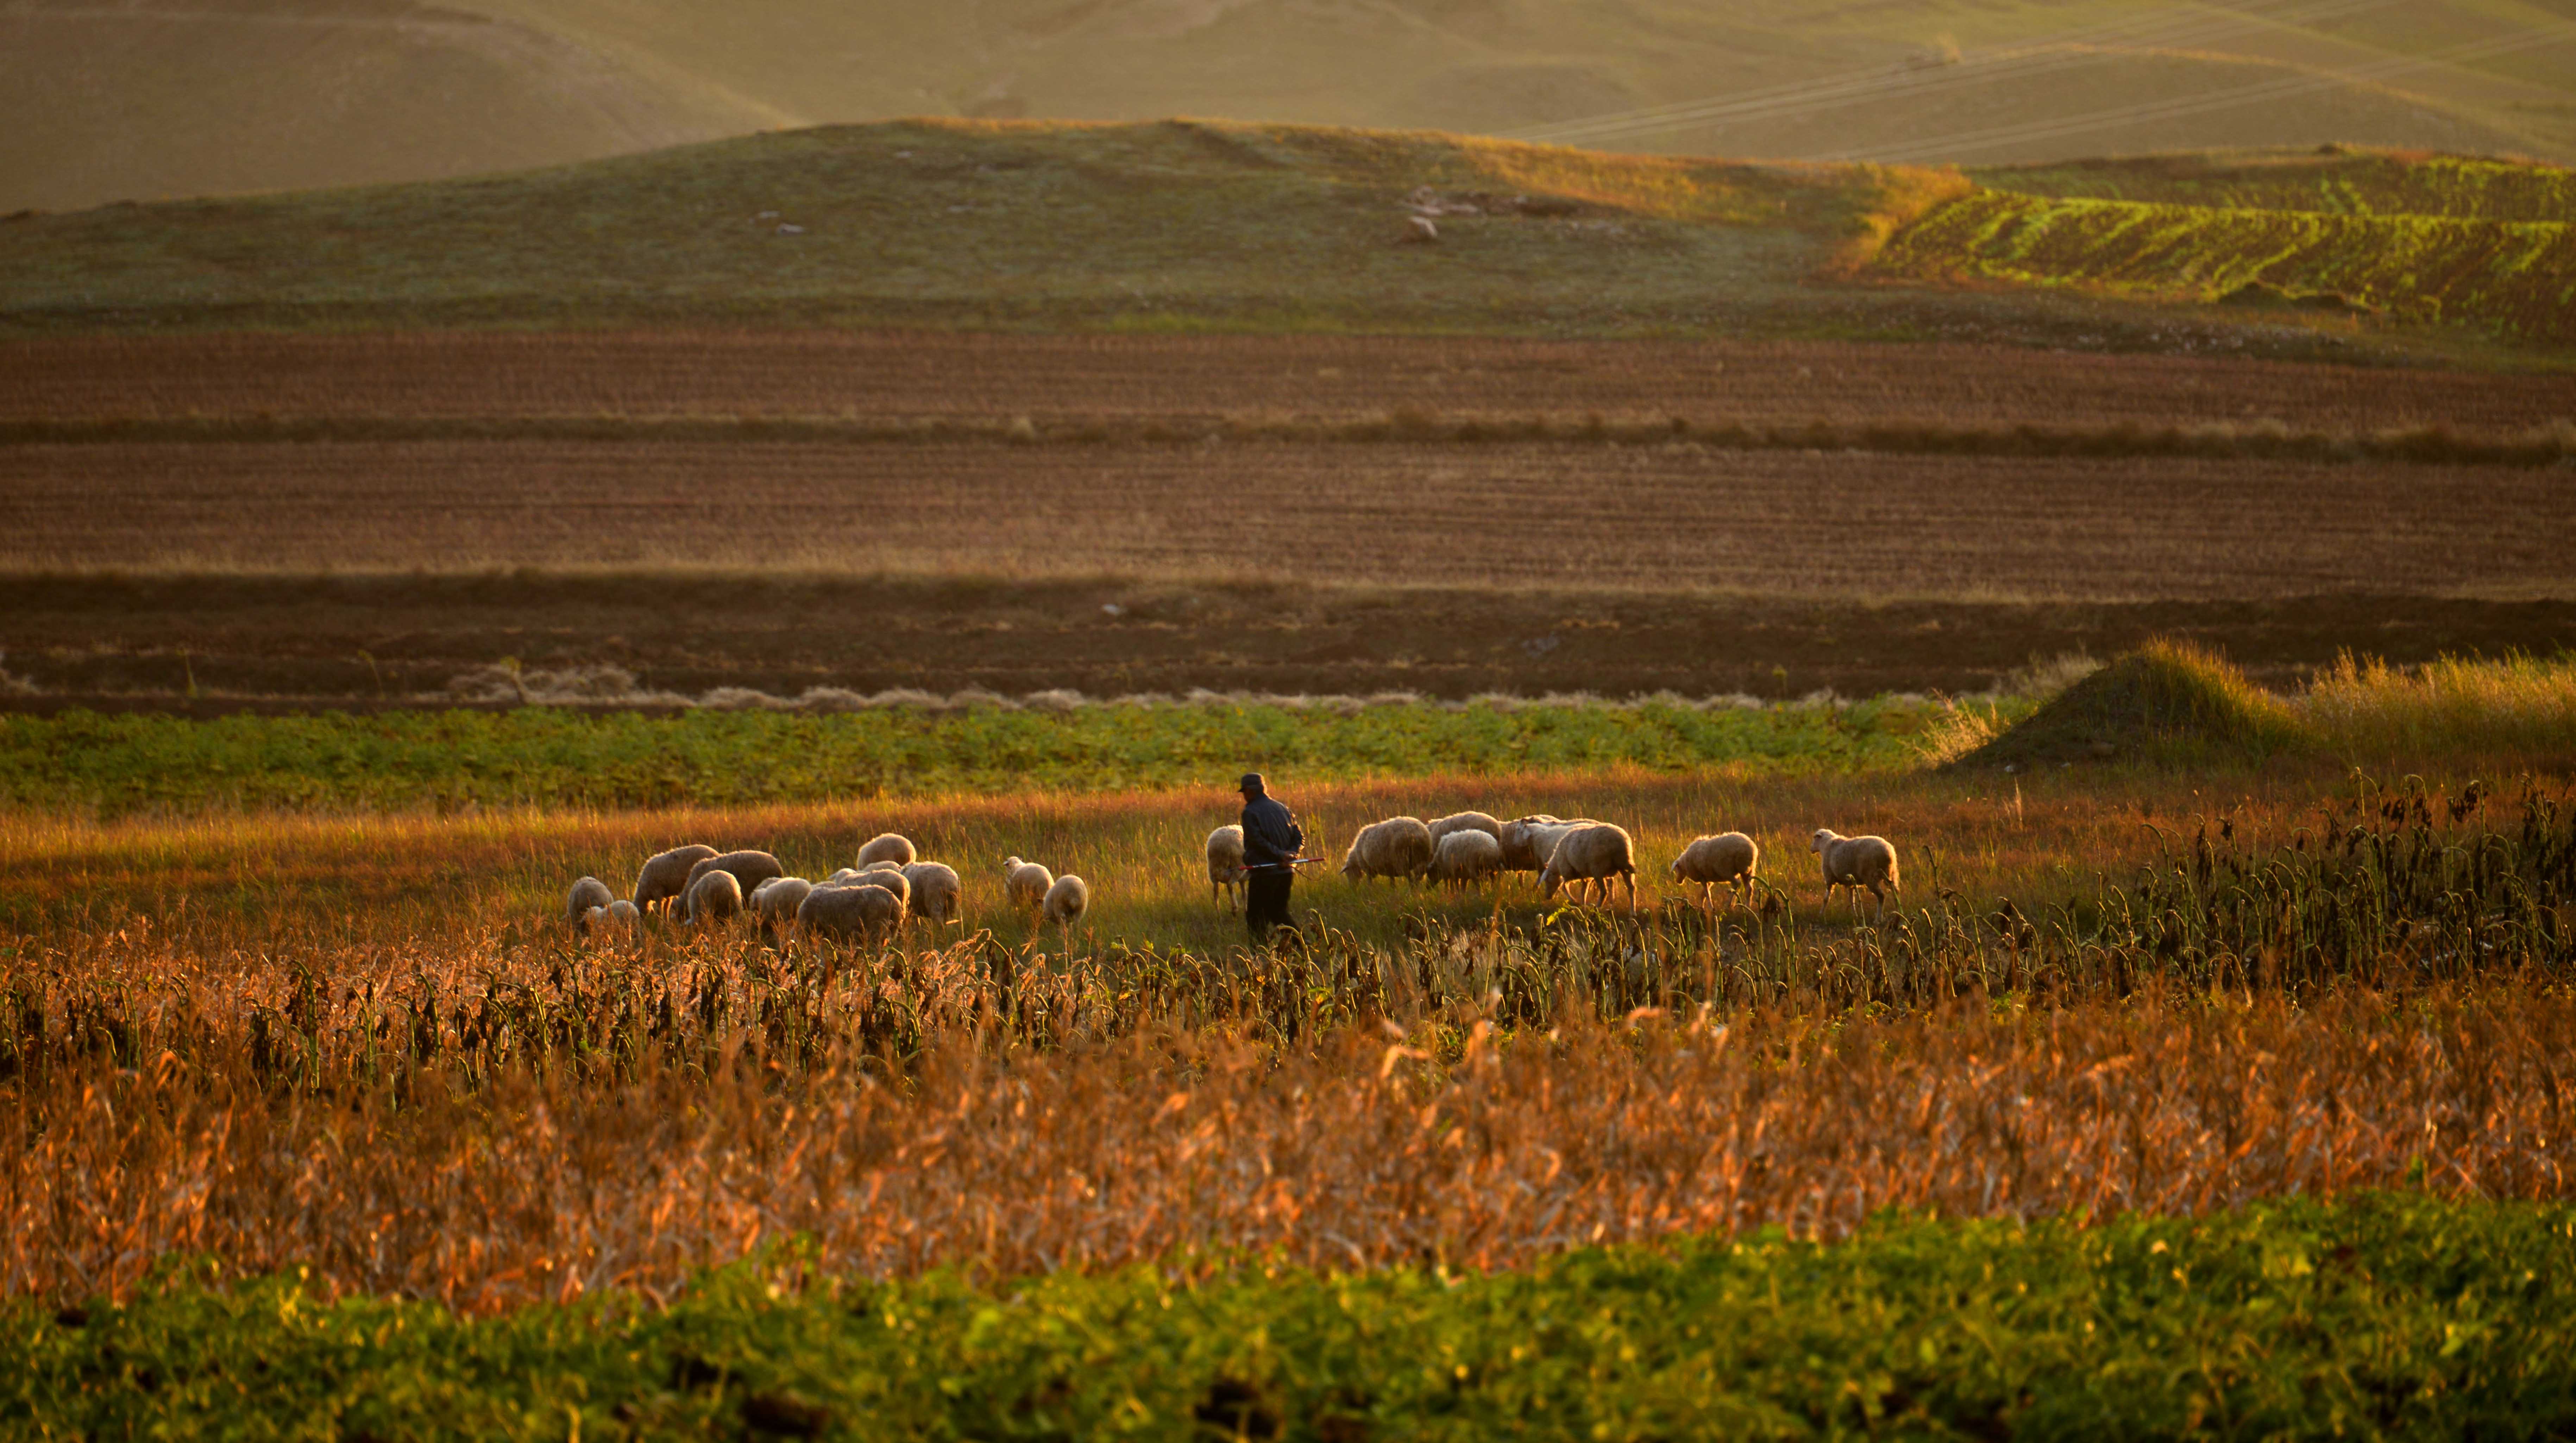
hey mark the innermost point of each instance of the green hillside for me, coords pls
(1175, 223)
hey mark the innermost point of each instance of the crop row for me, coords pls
(2336, 182)
(2516, 279)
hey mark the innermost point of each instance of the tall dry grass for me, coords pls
(502, 1115)
(2365, 708)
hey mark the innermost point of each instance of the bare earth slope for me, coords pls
(105, 101)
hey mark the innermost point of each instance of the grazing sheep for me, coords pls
(1396, 847)
(714, 896)
(1225, 862)
(1597, 851)
(625, 913)
(1857, 862)
(1519, 837)
(1464, 822)
(886, 875)
(1729, 857)
(587, 896)
(748, 867)
(936, 892)
(666, 876)
(888, 847)
(1025, 883)
(864, 914)
(775, 901)
(1067, 900)
(1467, 856)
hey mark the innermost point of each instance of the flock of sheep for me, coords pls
(889, 885)
(1580, 852)
(866, 902)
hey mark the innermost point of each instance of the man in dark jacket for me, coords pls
(1272, 841)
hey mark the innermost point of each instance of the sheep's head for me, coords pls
(1675, 869)
(1351, 865)
(1823, 835)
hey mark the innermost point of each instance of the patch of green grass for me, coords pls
(1168, 225)
(2167, 699)
(2387, 1315)
(115, 765)
(2513, 280)
(2337, 180)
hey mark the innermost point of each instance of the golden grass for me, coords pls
(2373, 712)
(485, 1190)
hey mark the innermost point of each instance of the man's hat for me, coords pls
(1251, 783)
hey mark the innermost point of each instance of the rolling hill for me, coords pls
(105, 102)
(118, 99)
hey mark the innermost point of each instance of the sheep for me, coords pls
(775, 901)
(1529, 841)
(886, 875)
(1729, 857)
(1025, 883)
(1857, 862)
(1067, 900)
(1396, 847)
(888, 847)
(863, 914)
(1597, 851)
(936, 892)
(714, 896)
(624, 913)
(1466, 856)
(587, 896)
(748, 867)
(1463, 822)
(666, 876)
(1225, 862)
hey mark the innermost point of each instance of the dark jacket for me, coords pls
(1271, 837)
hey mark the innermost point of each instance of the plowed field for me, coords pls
(479, 375)
(1659, 517)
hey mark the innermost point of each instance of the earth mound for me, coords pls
(2167, 699)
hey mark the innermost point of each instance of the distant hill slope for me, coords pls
(991, 223)
(1201, 225)
(118, 99)
(128, 101)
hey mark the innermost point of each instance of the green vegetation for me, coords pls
(2335, 181)
(2388, 1315)
(1175, 224)
(556, 758)
(2515, 280)
(2166, 699)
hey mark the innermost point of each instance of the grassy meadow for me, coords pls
(284, 1067)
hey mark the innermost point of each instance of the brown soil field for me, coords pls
(1181, 378)
(380, 640)
(1658, 518)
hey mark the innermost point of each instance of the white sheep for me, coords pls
(1529, 841)
(1467, 856)
(666, 874)
(1598, 852)
(624, 913)
(1857, 862)
(1441, 827)
(1396, 847)
(849, 913)
(1067, 900)
(936, 892)
(775, 901)
(587, 896)
(1225, 862)
(750, 868)
(1729, 857)
(887, 875)
(888, 847)
(714, 896)
(1025, 883)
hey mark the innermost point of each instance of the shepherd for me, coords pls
(1271, 843)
